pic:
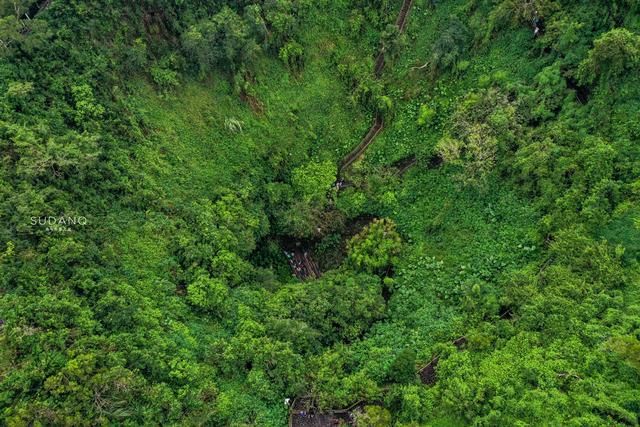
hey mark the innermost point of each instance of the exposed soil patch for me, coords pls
(254, 103)
(308, 258)
(304, 413)
(460, 343)
(428, 373)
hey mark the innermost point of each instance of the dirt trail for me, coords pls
(401, 23)
(378, 124)
(405, 164)
(375, 129)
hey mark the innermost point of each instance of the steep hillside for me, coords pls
(368, 213)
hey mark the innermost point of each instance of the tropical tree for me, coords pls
(224, 41)
(376, 247)
(614, 54)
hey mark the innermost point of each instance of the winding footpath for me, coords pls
(401, 23)
(376, 128)
(378, 123)
(303, 412)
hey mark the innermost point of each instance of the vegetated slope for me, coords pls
(196, 138)
(544, 134)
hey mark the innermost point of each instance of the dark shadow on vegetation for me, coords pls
(582, 92)
(506, 312)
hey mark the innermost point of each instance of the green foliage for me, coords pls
(292, 53)
(340, 307)
(376, 247)
(365, 89)
(628, 348)
(425, 115)
(233, 125)
(280, 16)
(403, 368)
(313, 180)
(614, 54)
(482, 125)
(384, 106)
(135, 56)
(208, 294)
(17, 90)
(14, 7)
(223, 231)
(166, 78)
(300, 207)
(549, 93)
(510, 13)
(449, 48)
(224, 41)
(374, 416)
(40, 154)
(86, 107)
(175, 305)
(392, 42)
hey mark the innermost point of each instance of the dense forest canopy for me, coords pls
(367, 212)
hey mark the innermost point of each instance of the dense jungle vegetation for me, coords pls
(184, 243)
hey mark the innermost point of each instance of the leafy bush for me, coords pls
(376, 247)
(511, 13)
(224, 40)
(484, 123)
(549, 93)
(614, 53)
(374, 416)
(425, 115)
(313, 180)
(166, 78)
(86, 106)
(339, 306)
(403, 367)
(292, 53)
(207, 294)
(451, 45)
